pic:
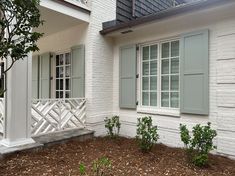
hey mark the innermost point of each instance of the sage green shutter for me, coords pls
(45, 74)
(127, 77)
(194, 87)
(35, 77)
(78, 71)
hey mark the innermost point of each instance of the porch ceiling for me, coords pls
(55, 22)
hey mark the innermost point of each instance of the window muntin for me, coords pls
(160, 75)
(63, 76)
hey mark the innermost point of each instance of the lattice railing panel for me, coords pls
(2, 114)
(57, 115)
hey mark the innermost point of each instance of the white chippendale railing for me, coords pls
(51, 115)
(2, 114)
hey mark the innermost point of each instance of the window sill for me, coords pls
(164, 112)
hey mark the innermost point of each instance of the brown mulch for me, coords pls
(127, 159)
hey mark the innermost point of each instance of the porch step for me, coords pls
(49, 139)
(64, 136)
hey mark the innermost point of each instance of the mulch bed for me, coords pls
(127, 160)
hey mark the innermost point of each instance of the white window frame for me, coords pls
(156, 109)
(64, 78)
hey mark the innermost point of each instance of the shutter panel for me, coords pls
(127, 77)
(194, 87)
(78, 71)
(35, 77)
(45, 73)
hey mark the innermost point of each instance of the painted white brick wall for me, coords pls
(99, 64)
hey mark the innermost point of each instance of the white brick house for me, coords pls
(157, 89)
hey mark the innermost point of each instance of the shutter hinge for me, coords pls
(137, 103)
(51, 78)
(137, 76)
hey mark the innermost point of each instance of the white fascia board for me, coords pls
(61, 8)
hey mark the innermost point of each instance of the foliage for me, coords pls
(82, 169)
(113, 126)
(200, 144)
(17, 18)
(100, 167)
(146, 134)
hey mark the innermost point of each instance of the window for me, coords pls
(63, 75)
(160, 75)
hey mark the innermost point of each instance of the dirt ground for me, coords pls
(127, 160)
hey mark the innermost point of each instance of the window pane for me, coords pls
(61, 60)
(67, 94)
(175, 82)
(145, 84)
(153, 99)
(146, 53)
(174, 48)
(67, 72)
(154, 51)
(57, 60)
(67, 58)
(165, 66)
(57, 84)
(165, 83)
(67, 84)
(61, 84)
(175, 100)
(57, 72)
(174, 66)
(153, 83)
(61, 94)
(57, 94)
(145, 99)
(165, 50)
(153, 68)
(61, 72)
(165, 99)
(145, 68)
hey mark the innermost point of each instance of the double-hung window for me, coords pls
(63, 75)
(160, 75)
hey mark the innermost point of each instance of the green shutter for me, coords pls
(78, 71)
(45, 74)
(35, 77)
(194, 86)
(127, 77)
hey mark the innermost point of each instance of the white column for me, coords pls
(18, 104)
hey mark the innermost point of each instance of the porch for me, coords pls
(41, 100)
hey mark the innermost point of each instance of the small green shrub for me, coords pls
(199, 144)
(100, 167)
(82, 169)
(113, 126)
(146, 134)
